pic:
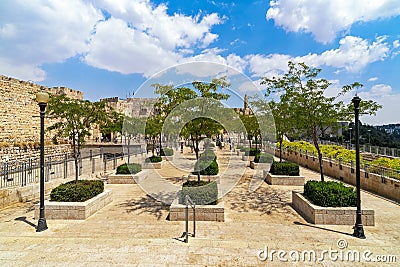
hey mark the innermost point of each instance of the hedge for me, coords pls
(132, 168)
(263, 158)
(167, 152)
(202, 193)
(154, 159)
(206, 167)
(285, 168)
(77, 191)
(330, 194)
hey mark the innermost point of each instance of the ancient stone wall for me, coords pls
(19, 113)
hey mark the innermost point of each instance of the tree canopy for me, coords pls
(75, 118)
(309, 110)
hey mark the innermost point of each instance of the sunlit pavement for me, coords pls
(134, 230)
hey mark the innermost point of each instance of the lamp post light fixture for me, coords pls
(42, 98)
(358, 227)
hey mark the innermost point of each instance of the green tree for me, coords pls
(252, 127)
(113, 124)
(75, 118)
(311, 111)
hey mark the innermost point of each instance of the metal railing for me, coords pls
(366, 166)
(24, 172)
(188, 201)
(367, 148)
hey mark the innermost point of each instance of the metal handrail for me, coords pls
(188, 201)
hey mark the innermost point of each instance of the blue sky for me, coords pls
(109, 48)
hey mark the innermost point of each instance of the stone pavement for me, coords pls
(134, 231)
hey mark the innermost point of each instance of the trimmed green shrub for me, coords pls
(330, 194)
(167, 152)
(285, 168)
(77, 191)
(253, 151)
(206, 167)
(132, 168)
(154, 159)
(207, 164)
(263, 158)
(202, 193)
(250, 151)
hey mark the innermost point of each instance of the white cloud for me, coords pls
(251, 86)
(116, 47)
(373, 79)
(33, 33)
(389, 112)
(381, 90)
(353, 54)
(143, 38)
(133, 37)
(325, 19)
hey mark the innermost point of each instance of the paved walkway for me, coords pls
(134, 231)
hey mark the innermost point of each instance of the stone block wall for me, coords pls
(74, 210)
(177, 212)
(19, 115)
(328, 215)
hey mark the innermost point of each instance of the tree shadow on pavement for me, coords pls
(148, 205)
(264, 200)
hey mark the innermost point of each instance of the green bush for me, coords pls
(206, 167)
(77, 191)
(253, 151)
(330, 194)
(153, 159)
(167, 152)
(285, 168)
(263, 158)
(250, 151)
(201, 193)
(132, 168)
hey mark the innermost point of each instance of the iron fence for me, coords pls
(24, 172)
(364, 165)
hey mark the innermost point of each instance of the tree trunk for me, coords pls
(160, 144)
(321, 168)
(280, 149)
(75, 158)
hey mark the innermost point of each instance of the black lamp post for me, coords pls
(358, 227)
(42, 98)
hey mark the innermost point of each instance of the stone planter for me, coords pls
(329, 215)
(150, 165)
(193, 177)
(261, 166)
(177, 212)
(283, 179)
(74, 210)
(126, 178)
